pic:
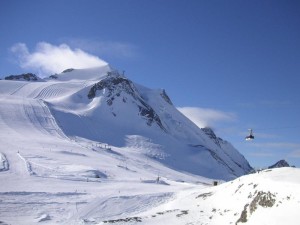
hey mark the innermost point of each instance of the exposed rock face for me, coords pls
(209, 132)
(263, 199)
(280, 163)
(243, 218)
(24, 76)
(164, 95)
(115, 86)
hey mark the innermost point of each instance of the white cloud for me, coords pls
(48, 59)
(204, 117)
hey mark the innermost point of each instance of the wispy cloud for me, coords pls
(115, 49)
(48, 59)
(203, 117)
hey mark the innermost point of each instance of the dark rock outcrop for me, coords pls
(24, 76)
(115, 85)
(280, 163)
(164, 95)
(211, 134)
(68, 70)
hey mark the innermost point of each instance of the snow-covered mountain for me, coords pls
(92, 147)
(102, 105)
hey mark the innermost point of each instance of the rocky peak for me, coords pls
(115, 85)
(280, 163)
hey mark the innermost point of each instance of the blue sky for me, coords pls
(232, 65)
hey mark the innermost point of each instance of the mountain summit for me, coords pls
(279, 164)
(104, 106)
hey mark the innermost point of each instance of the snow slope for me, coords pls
(67, 158)
(121, 113)
(268, 197)
(101, 105)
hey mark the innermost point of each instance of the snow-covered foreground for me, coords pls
(62, 163)
(268, 197)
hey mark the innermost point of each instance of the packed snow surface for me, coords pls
(91, 147)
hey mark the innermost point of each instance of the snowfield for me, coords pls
(91, 147)
(270, 197)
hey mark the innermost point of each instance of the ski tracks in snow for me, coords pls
(35, 207)
(118, 207)
(58, 90)
(44, 90)
(27, 165)
(17, 164)
(39, 115)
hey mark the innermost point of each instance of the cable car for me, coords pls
(250, 136)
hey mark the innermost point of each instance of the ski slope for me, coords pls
(125, 156)
(50, 176)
